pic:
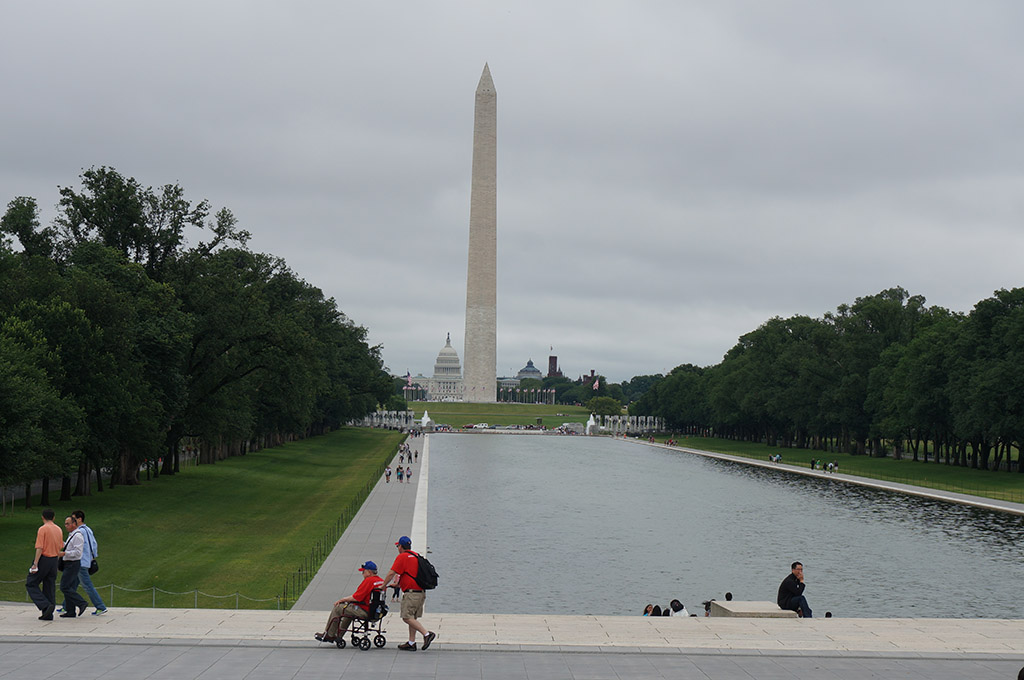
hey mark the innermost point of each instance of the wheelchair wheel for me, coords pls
(364, 643)
(380, 640)
(340, 642)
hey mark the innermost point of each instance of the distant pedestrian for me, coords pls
(415, 456)
(408, 475)
(728, 597)
(42, 575)
(400, 473)
(401, 458)
(387, 475)
(678, 608)
(648, 609)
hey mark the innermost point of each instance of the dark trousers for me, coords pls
(799, 603)
(42, 585)
(69, 586)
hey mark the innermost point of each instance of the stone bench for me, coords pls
(750, 610)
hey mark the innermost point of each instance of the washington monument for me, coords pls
(481, 353)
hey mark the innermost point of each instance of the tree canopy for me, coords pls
(120, 341)
(883, 375)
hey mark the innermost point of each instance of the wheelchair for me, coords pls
(360, 630)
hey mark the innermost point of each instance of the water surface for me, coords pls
(581, 525)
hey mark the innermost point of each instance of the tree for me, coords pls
(605, 406)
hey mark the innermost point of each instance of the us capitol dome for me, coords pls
(446, 384)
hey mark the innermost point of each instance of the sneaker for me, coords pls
(99, 611)
(323, 637)
(428, 639)
(60, 610)
(406, 647)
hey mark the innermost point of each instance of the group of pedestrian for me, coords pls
(404, 571)
(74, 557)
(406, 456)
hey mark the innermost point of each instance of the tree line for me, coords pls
(119, 341)
(886, 375)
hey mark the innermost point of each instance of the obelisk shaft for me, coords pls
(481, 352)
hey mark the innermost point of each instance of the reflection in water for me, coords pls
(579, 525)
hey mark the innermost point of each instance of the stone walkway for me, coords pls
(388, 513)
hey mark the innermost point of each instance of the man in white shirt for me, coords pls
(72, 554)
(89, 551)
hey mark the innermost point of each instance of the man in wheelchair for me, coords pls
(355, 606)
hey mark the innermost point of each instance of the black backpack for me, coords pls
(426, 575)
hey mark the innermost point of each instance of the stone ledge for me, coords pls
(750, 610)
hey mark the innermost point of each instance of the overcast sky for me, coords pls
(670, 174)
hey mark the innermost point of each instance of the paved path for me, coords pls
(949, 496)
(388, 513)
(190, 661)
(216, 644)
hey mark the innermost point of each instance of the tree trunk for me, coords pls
(65, 488)
(99, 479)
(44, 494)
(28, 495)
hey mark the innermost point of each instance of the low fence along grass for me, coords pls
(241, 526)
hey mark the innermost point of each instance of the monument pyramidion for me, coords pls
(481, 351)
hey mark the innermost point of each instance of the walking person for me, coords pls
(387, 475)
(72, 554)
(90, 550)
(42, 575)
(408, 474)
(405, 568)
(400, 473)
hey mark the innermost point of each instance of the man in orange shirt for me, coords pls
(42, 575)
(406, 567)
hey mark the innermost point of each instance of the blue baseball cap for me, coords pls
(404, 541)
(368, 566)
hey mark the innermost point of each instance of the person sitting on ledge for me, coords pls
(355, 606)
(791, 592)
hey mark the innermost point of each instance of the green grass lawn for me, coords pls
(1007, 486)
(458, 414)
(241, 525)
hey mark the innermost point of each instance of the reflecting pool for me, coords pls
(589, 525)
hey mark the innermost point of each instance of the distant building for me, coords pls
(446, 383)
(529, 371)
(553, 370)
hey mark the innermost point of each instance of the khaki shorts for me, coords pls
(412, 605)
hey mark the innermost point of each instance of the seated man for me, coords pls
(791, 592)
(355, 606)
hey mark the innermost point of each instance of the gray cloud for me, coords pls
(671, 174)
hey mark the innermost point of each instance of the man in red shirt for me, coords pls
(355, 606)
(405, 567)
